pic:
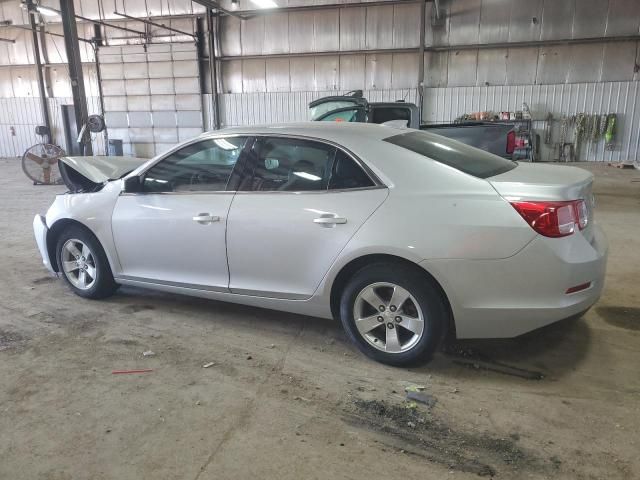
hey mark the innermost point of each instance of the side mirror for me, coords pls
(133, 184)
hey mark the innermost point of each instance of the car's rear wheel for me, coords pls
(83, 264)
(393, 313)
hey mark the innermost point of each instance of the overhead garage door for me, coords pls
(151, 96)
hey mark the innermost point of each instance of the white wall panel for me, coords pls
(276, 38)
(352, 28)
(352, 72)
(118, 104)
(137, 87)
(464, 22)
(590, 18)
(327, 72)
(378, 69)
(379, 29)
(163, 102)
(326, 31)
(138, 103)
(277, 74)
(164, 119)
(136, 71)
(165, 135)
(188, 102)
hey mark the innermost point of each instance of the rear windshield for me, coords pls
(458, 155)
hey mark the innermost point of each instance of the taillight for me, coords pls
(511, 142)
(554, 219)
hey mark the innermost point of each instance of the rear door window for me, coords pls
(465, 158)
(289, 165)
(346, 174)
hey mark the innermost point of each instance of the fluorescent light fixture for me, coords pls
(265, 3)
(307, 176)
(225, 144)
(46, 11)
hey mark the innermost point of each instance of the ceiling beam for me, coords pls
(149, 22)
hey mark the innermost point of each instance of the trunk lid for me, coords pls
(82, 174)
(534, 181)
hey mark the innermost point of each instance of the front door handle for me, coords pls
(205, 218)
(329, 220)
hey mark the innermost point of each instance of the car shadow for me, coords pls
(133, 300)
(548, 352)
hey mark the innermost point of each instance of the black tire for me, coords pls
(425, 292)
(103, 285)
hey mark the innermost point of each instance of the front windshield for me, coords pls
(325, 107)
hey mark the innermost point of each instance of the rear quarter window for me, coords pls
(460, 156)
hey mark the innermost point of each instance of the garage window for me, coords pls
(201, 166)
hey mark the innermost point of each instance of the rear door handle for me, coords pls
(330, 220)
(205, 218)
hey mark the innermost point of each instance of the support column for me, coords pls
(423, 26)
(39, 69)
(72, 47)
(213, 68)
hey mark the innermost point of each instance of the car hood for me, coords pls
(88, 173)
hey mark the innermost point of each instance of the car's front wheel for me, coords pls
(393, 313)
(83, 264)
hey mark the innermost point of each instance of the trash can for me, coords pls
(115, 147)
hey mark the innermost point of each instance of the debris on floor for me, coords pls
(473, 359)
(209, 364)
(142, 370)
(148, 353)
(422, 397)
(438, 441)
(500, 368)
(9, 340)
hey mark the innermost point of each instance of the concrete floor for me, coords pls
(288, 397)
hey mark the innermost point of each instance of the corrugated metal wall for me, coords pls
(20, 116)
(622, 98)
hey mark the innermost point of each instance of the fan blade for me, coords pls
(53, 161)
(34, 158)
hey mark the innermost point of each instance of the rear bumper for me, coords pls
(40, 231)
(509, 297)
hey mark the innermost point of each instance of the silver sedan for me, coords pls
(402, 235)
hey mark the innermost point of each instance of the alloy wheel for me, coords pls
(388, 317)
(78, 264)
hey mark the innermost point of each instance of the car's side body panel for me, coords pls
(157, 238)
(278, 244)
(509, 297)
(93, 210)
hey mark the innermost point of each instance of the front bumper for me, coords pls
(512, 296)
(40, 231)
